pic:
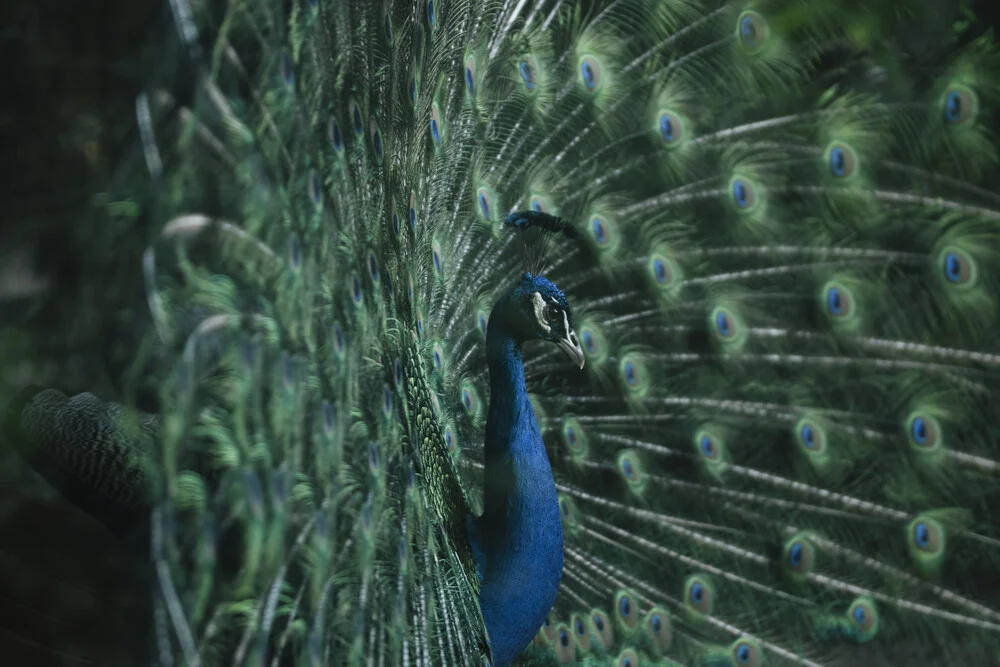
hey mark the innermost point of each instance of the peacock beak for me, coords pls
(571, 346)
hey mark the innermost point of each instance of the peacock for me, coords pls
(548, 332)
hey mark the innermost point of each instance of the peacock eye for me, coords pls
(551, 314)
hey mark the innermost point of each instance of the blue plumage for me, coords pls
(518, 540)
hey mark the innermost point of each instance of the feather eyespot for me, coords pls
(386, 400)
(483, 322)
(957, 266)
(412, 88)
(632, 373)
(431, 14)
(841, 159)
(599, 229)
(590, 73)
(746, 652)
(413, 210)
(565, 647)
(397, 373)
(807, 435)
(435, 124)
(863, 615)
(923, 431)
(708, 446)
(628, 658)
(859, 614)
(438, 365)
(526, 69)
(372, 267)
(630, 467)
(575, 438)
(376, 137)
(355, 112)
(579, 627)
(589, 342)
(420, 325)
(387, 27)
(661, 271)
(395, 222)
(334, 135)
(743, 193)
(295, 252)
(484, 199)
(724, 323)
(625, 608)
(670, 128)
(470, 75)
(315, 188)
(603, 631)
(470, 401)
(338, 339)
(810, 436)
(925, 537)
(436, 257)
(356, 293)
(658, 629)
(698, 595)
(960, 105)
(752, 30)
(799, 555)
(537, 205)
(838, 300)
(449, 439)
(664, 274)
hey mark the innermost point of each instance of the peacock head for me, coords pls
(536, 308)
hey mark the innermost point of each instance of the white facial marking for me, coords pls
(539, 303)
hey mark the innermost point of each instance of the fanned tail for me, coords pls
(783, 274)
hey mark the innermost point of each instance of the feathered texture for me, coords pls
(784, 279)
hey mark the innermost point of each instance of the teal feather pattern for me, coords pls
(783, 275)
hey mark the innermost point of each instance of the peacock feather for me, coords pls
(555, 332)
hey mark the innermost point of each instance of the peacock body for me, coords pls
(767, 243)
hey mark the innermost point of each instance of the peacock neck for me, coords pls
(518, 541)
(517, 467)
(508, 396)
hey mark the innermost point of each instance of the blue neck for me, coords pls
(518, 541)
